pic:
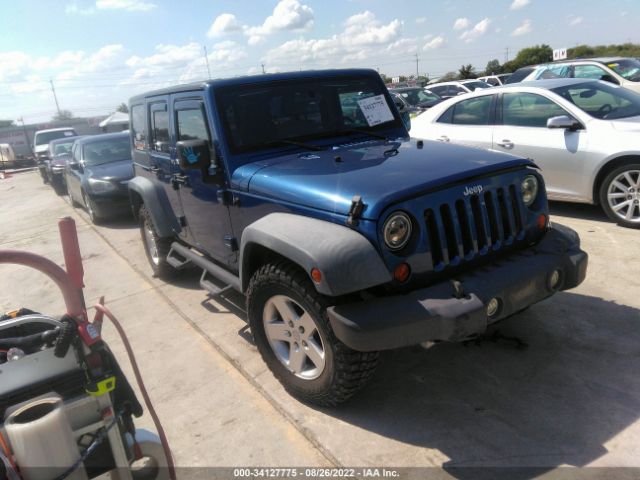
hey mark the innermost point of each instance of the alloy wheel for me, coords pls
(293, 336)
(623, 195)
(150, 241)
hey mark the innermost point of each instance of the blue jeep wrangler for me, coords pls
(304, 192)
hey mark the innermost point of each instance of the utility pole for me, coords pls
(54, 96)
(206, 59)
(417, 60)
(263, 72)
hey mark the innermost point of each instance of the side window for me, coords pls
(473, 111)
(191, 125)
(454, 90)
(159, 128)
(439, 90)
(493, 81)
(76, 152)
(588, 71)
(138, 127)
(529, 110)
(447, 117)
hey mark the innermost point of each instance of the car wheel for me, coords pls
(155, 247)
(45, 177)
(620, 195)
(58, 185)
(91, 209)
(291, 329)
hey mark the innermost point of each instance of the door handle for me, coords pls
(508, 144)
(443, 138)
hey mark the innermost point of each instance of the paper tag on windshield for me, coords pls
(375, 110)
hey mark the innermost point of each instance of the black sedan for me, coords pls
(97, 175)
(53, 166)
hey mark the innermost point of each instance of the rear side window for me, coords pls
(160, 128)
(192, 125)
(138, 127)
(439, 90)
(473, 111)
(588, 71)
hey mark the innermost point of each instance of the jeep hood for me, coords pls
(380, 172)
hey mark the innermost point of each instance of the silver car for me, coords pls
(585, 135)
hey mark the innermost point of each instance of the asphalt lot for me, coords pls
(571, 398)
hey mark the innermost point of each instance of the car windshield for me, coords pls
(629, 69)
(106, 151)
(62, 148)
(602, 100)
(418, 96)
(473, 85)
(46, 137)
(259, 114)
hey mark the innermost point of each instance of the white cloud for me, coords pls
(518, 4)
(478, 30)
(461, 24)
(523, 29)
(363, 37)
(435, 43)
(225, 23)
(575, 21)
(421, 20)
(75, 9)
(128, 5)
(288, 15)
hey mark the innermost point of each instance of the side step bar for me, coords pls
(179, 256)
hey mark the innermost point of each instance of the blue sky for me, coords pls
(101, 52)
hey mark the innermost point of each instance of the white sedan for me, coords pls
(584, 135)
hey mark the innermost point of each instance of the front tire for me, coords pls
(620, 195)
(91, 209)
(291, 329)
(155, 247)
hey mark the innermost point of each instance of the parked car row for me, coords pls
(93, 170)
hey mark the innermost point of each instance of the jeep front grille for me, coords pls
(475, 225)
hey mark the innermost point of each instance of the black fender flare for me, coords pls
(155, 199)
(346, 258)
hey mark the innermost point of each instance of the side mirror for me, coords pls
(73, 165)
(193, 154)
(563, 121)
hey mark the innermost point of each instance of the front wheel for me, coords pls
(291, 329)
(91, 209)
(620, 195)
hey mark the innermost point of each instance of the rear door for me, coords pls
(207, 215)
(467, 122)
(161, 151)
(73, 177)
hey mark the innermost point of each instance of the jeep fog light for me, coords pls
(493, 307)
(529, 189)
(397, 230)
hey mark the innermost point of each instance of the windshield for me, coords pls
(473, 85)
(629, 69)
(46, 137)
(418, 96)
(602, 100)
(106, 151)
(255, 115)
(62, 148)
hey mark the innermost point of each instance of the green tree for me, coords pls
(467, 71)
(384, 78)
(493, 67)
(6, 123)
(122, 108)
(529, 56)
(615, 50)
(62, 115)
(447, 77)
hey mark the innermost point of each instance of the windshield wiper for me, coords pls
(308, 146)
(364, 132)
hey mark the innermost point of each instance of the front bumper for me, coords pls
(433, 313)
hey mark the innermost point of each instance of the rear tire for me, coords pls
(620, 195)
(329, 372)
(155, 247)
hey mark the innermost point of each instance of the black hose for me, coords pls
(67, 334)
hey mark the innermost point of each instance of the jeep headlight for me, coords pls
(101, 186)
(397, 230)
(529, 189)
